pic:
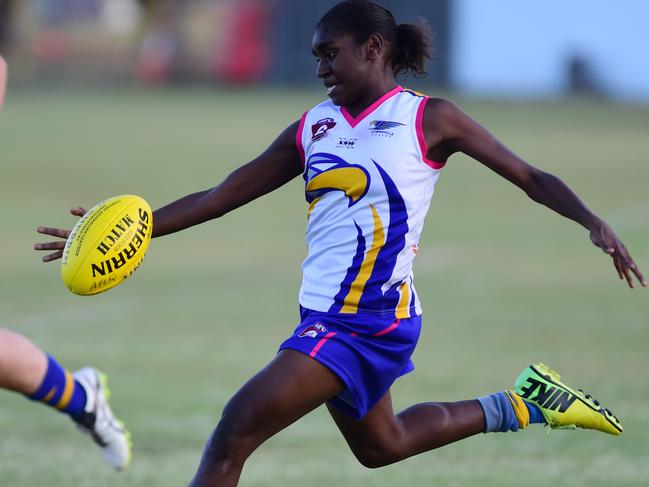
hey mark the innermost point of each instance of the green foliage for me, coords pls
(503, 283)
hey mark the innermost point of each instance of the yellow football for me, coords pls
(107, 245)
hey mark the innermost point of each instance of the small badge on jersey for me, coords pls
(321, 127)
(382, 128)
(346, 143)
(312, 331)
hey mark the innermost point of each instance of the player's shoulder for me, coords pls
(416, 94)
(441, 110)
(436, 110)
(434, 106)
(440, 105)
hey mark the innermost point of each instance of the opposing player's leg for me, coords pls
(382, 437)
(22, 364)
(3, 80)
(83, 395)
(292, 385)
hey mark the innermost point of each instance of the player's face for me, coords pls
(342, 66)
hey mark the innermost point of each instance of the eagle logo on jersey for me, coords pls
(384, 125)
(321, 127)
(327, 172)
(378, 244)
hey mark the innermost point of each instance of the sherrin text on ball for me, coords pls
(107, 245)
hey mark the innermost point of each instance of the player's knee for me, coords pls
(229, 436)
(235, 435)
(376, 456)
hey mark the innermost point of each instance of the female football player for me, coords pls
(370, 157)
(82, 395)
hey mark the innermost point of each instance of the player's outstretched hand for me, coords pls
(58, 245)
(604, 237)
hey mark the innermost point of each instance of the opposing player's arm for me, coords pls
(449, 130)
(3, 80)
(276, 166)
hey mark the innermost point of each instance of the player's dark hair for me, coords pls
(410, 45)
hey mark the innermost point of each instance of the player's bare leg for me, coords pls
(83, 395)
(3, 80)
(382, 438)
(292, 385)
(22, 364)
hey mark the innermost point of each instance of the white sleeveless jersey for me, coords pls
(369, 186)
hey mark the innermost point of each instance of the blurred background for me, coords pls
(504, 48)
(165, 98)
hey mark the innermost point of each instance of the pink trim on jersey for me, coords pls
(319, 345)
(353, 122)
(419, 124)
(298, 137)
(387, 330)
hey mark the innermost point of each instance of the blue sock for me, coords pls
(60, 390)
(498, 412)
(535, 413)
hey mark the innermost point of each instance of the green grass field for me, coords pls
(503, 282)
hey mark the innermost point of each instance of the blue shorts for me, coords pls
(367, 352)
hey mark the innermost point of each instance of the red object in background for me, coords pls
(247, 53)
(51, 45)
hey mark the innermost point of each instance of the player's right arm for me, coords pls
(276, 166)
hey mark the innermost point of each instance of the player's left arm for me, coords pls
(449, 130)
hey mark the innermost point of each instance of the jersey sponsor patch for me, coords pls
(382, 128)
(384, 125)
(321, 127)
(312, 331)
(346, 143)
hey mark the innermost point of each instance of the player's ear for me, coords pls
(374, 46)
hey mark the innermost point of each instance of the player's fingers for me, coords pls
(627, 276)
(641, 279)
(54, 256)
(629, 265)
(632, 266)
(50, 246)
(78, 211)
(55, 232)
(628, 260)
(616, 264)
(623, 269)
